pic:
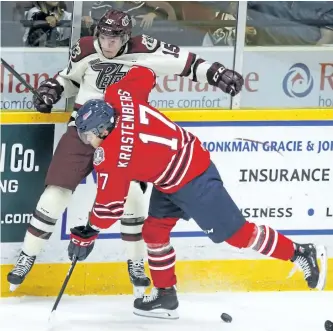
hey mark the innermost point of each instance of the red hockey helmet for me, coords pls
(115, 23)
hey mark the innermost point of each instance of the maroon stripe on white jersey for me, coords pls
(188, 66)
(195, 68)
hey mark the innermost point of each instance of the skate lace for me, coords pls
(137, 269)
(23, 265)
(152, 296)
(301, 264)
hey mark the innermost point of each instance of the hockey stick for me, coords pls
(21, 80)
(62, 290)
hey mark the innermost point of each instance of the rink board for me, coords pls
(192, 276)
(300, 208)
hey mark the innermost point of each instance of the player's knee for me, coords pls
(54, 201)
(245, 236)
(157, 230)
(131, 228)
(50, 206)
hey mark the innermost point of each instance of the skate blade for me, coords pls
(158, 313)
(139, 291)
(13, 287)
(322, 257)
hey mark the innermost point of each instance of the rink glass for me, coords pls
(283, 49)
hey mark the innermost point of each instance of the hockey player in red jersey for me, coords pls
(134, 141)
(95, 63)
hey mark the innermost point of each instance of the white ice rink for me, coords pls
(282, 311)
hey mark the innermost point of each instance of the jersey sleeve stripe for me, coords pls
(107, 215)
(195, 68)
(188, 66)
(101, 209)
(113, 209)
(110, 204)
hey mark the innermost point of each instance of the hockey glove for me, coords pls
(227, 80)
(50, 90)
(82, 242)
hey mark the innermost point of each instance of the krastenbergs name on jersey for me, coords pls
(127, 128)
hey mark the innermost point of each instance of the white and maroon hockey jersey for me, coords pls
(89, 72)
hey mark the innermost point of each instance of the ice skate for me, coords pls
(161, 303)
(23, 266)
(306, 259)
(138, 277)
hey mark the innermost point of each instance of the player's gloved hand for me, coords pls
(229, 81)
(82, 241)
(50, 90)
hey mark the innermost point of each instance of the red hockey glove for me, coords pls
(50, 90)
(227, 80)
(82, 242)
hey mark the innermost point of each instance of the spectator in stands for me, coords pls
(143, 13)
(226, 35)
(44, 31)
(224, 12)
(293, 22)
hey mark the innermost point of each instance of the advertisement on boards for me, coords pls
(273, 78)
(281, 176)
(34, 65)
(26, 152)
(290, 77)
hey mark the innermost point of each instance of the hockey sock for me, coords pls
(131, 234)
(161, 254)
(162, 260)
(264, 240)
(50, 206)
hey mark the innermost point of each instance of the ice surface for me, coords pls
(270, 311)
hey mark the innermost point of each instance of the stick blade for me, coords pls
(52, 322)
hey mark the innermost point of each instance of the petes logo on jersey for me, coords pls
(125, 21)
(149, 42)
(76, 50)
(99, 156)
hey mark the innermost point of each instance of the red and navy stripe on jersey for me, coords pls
(113, 210)
(179, 163)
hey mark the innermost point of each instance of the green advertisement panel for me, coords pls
(26, 152)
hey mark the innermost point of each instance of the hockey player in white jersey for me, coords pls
(95, 63)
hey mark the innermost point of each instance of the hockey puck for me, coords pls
(328, 326)
(226, 318)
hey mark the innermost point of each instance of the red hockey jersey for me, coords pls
(145, 146)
